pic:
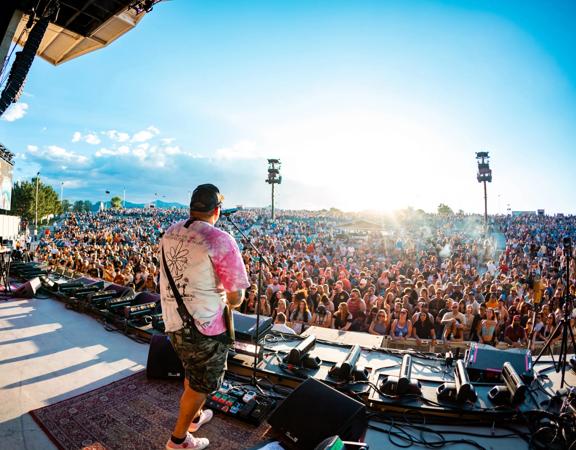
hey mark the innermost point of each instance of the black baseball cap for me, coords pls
(205, 198)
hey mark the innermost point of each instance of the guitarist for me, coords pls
(204, 265)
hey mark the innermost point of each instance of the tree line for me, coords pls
(49, 205)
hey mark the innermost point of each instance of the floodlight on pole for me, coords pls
(484, 176)
(36, 205)
(274, 177)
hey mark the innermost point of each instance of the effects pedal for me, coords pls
(241, 402)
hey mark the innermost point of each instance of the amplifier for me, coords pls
(484, 362)
(245, 326)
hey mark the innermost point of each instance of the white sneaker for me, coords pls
(190, 443)
(205, 417)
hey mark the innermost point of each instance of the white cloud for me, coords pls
(92, 139)
(145, 135)
(117, 136)
(73, 184)
(141, 151)
(89, 138)
(105, 152)
(172, 150)
(32, 148)
(167, 141)
(15, 111)
(240, 150)
(122, 150)
(55, 153)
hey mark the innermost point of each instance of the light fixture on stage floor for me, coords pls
(403, 383)
(298, 356)
(347, 370)
(512, 392)
(461, 390)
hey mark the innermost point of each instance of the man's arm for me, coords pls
(448, 318)
(235, 298)
(506, 337)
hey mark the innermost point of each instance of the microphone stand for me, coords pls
(261, 259)
(564, 324)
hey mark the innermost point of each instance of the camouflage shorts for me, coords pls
(204, 360)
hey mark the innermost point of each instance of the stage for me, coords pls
(49, 353)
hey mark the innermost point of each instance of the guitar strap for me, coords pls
(187, 319)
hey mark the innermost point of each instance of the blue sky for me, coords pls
(369, 104)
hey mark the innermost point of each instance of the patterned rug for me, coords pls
(134, 413)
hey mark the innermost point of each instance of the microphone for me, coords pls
(229, 211)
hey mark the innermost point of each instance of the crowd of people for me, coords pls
(421, 276)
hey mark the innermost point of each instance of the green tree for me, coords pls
(116, 202)
(66, 206)
(78, 206)
(24, 200)
(87, 206)
(444, 210)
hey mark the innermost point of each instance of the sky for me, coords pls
(368, 104)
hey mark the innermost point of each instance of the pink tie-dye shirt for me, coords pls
(205, 263)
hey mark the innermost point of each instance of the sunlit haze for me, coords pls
(369, 105)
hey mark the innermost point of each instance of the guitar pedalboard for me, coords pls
(241, 402)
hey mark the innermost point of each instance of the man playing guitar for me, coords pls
(204, 265)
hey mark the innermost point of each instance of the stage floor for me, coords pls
(49, 353)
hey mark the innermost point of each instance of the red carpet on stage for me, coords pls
(134, 413)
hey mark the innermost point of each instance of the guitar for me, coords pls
(229, 321)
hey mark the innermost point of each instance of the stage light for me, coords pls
(134, 312)
(402, 384)
(346, 369)
(461, 390)
(484, 176)
(298, 356)
(349, 363)
(273, 178)
(464, 389)
(514, 390)
(514, 383)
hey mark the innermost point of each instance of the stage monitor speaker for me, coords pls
(484, 362)
(245, 326)
(313, 412)
(28, 289)
(163, 362)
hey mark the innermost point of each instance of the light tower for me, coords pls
(274, 177)
(484, 176)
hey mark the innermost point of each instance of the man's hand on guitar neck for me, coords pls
(234, 299)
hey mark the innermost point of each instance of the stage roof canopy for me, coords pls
(81, 26)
